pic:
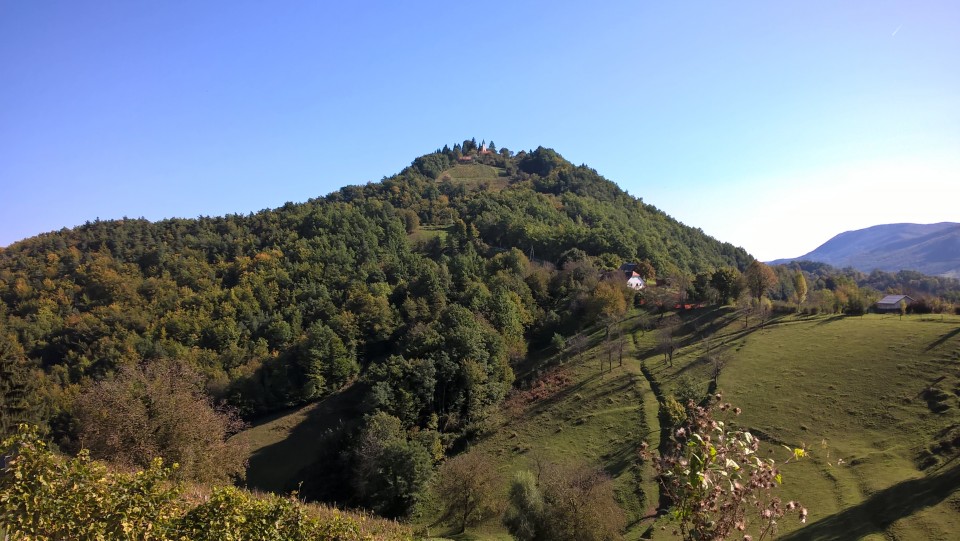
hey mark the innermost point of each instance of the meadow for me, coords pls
(874, 399)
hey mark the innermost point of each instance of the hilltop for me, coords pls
(417, 298)
(932, 249)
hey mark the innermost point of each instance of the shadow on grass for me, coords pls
(622, 459)
(944, 338)
(882, 509)
(568, 393)
(292, 462)
(831, 319)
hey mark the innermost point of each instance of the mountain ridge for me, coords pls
(932, 249)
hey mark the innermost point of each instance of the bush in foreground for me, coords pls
(45, 496)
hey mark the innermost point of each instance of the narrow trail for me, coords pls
(652, 411)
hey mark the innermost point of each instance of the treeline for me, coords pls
(815, 288)
(832, 290)
(904, 282)
(422, 290)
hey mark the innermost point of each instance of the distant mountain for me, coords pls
(932, 249)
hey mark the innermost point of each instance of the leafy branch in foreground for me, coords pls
(718, 484)
(45, 496)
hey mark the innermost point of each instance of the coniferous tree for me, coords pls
(17, 387)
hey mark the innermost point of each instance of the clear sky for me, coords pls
(770, 125)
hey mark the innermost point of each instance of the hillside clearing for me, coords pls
(476, 176)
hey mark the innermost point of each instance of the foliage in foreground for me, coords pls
(45, 496)
(717, 483)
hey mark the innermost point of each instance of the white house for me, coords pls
(635, 282)
(633, 278)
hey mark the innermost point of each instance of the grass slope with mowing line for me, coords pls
(857, 392)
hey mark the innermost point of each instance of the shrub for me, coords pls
(572, 502)
(161, 409)
(783, 307)
(525, 513)
(46, 497)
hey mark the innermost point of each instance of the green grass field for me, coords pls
(284, 446)
(476, 175)
(426, 233)
(854, 391)
(873, 399)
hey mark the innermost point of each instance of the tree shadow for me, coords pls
(939, 341)
(567, 393)
(882, 509)
(292, 462)
(831, 319)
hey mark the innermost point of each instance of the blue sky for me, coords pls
(771, 125)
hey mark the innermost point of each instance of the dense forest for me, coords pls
(423, 293)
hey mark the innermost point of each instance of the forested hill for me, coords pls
(429, 283)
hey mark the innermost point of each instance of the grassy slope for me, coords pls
(597, 417)
(284, 445)
(473, 174)
(850, 389)
(847, 388)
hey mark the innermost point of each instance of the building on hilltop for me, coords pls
(891, 303)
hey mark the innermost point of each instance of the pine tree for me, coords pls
(17, 387)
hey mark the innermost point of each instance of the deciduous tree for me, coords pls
(391, 471)
(666, 338)
(799, 288)
(160, 409)
(759, 278)
(465, 485)
(728, 282)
